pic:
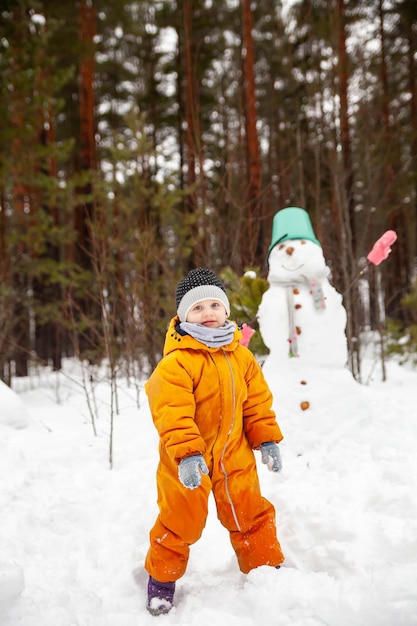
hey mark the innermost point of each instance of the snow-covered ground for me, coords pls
(74, 533)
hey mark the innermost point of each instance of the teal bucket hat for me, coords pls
(291, 223)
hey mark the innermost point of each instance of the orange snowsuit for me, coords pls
(212, 401)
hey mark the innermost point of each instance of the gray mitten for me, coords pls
(271, 456)
(189, 470)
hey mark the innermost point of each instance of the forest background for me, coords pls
(140, 139)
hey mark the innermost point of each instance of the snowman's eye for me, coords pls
(302, 242)
(281, 246)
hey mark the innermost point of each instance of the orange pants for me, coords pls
(249, 518)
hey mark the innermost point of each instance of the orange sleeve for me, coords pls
(172, 404)
(260, 422)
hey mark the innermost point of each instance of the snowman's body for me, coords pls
(302, 322)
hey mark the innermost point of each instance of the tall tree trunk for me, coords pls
(48, 336)
(192, 135)
(344, 123)
(348, 200)
(401, 265)
(410, 21)
(20, 195)
(84, 212)
(253, 224)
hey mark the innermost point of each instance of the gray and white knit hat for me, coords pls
(199, 284)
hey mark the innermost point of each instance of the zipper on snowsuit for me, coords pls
(226, 477)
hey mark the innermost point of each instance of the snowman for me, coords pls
(301, 317)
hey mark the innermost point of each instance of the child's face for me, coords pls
(210, 313)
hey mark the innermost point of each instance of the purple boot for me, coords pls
(160, 596)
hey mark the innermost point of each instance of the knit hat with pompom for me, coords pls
(199, 284)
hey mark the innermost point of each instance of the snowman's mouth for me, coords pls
(293, 268)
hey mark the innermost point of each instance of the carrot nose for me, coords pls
(289, 250)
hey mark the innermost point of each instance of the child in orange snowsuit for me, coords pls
(212, 407)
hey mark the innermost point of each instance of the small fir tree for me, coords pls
(245, 295)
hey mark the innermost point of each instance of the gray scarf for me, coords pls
(211, 337)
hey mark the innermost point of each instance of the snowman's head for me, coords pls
(295, 260)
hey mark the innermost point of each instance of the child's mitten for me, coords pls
(271, 456)
(189, 470)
